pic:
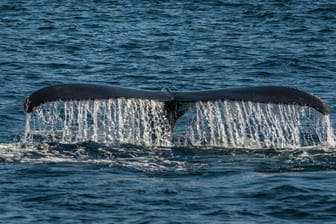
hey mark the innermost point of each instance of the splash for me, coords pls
(145, 122)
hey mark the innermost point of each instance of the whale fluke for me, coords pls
(174, 100)
(261, 94)
(71, 92)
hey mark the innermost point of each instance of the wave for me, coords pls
(172, 159)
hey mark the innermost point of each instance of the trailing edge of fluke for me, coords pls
(173, 99)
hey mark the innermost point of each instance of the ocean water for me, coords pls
(181, 45)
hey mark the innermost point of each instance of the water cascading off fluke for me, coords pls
(215, 123)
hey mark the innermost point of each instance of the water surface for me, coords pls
(152, 45)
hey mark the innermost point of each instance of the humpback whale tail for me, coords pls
(236, 117)
(175, 100)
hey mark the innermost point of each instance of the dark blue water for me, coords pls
(151, 45)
